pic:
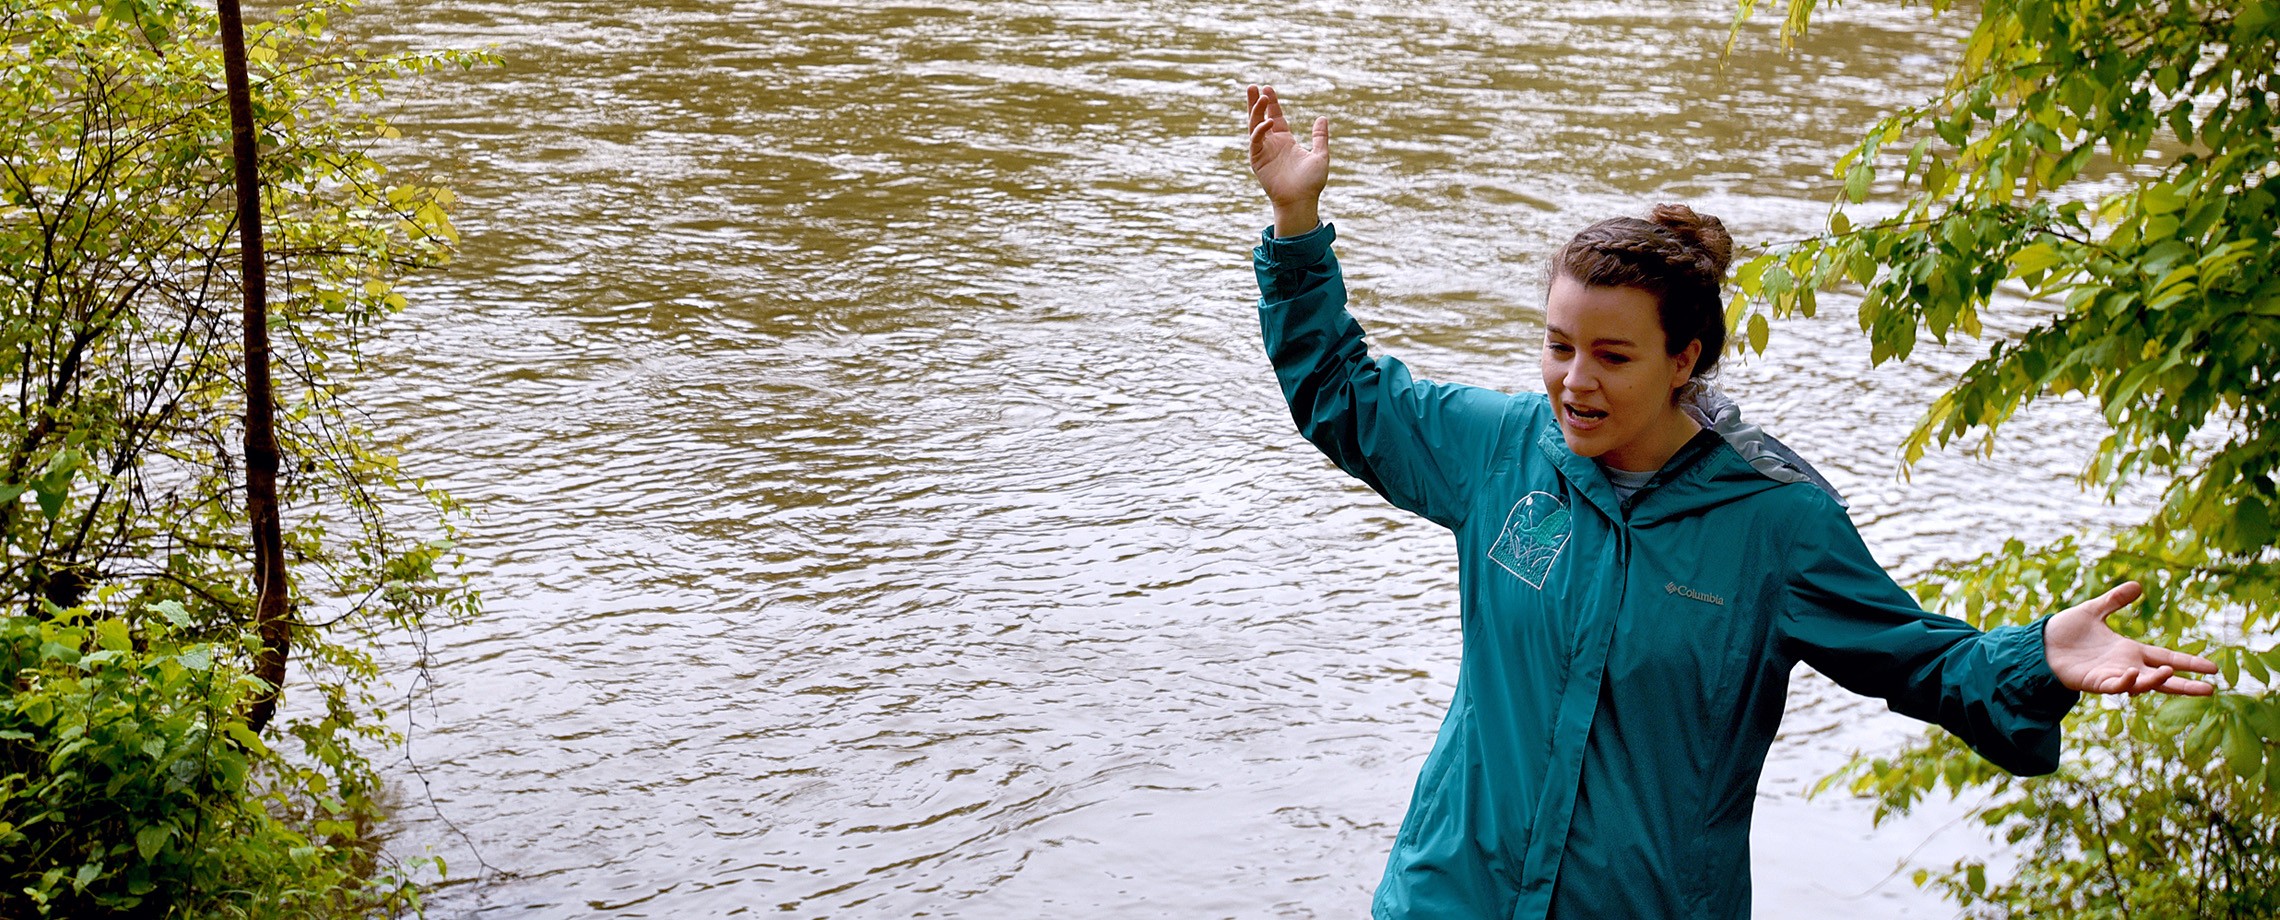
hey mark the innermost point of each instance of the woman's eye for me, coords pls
(1557, 348)
(1616, 359)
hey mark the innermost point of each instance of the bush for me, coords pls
(130, 781)
(130, 786)
(2118, 160)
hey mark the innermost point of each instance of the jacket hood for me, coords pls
(1704, 475)
(1764, 453)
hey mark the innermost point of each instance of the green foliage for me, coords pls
(2159, 810)
(128, 786)
(2160, 836)
(131, 783)
(2114, 161)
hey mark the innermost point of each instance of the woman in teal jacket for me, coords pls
(1639, 573)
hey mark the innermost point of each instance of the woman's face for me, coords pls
(1610, 377)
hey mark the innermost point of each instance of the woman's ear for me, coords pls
(1682, 364)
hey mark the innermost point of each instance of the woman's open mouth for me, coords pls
(1584, 418)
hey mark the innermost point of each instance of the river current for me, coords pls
(883, 508)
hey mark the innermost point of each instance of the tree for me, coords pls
(2116, 163)
(270, 578)
(131, 780)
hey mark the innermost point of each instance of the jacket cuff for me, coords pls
(2035, 691)
(1305, 249)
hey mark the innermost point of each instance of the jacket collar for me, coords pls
(1581, 473)
(1727, 460)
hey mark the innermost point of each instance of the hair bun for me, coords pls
(1700, 232)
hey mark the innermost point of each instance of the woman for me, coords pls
(1638, 578)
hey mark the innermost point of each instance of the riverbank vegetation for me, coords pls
(131, 779)
(2117, 162)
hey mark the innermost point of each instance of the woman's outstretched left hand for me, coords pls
(2089, 657)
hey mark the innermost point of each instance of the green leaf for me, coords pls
(150, 840)
(1861, 268)
(2254, 18)
(173, 612)
(2161, 256)
(2204, 737)
(2254, 665)
(2036, 257)
(2160, 198)
(196, 657)
(1777, 282)
(1857, 180)
(1953, 130)
(245, 738)
(2263, 715)
(1760, 332)
(111, 635)
(2244, 753)
(1746, 277)
(51, 490)
(2252, 522)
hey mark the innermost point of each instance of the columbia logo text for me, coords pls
(1693, 595)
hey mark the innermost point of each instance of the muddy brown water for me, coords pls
(884, 507)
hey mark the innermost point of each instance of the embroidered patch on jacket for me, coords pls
(1532, 538)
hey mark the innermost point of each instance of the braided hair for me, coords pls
(1675, 254)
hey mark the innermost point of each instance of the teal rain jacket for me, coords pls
(1625, 662)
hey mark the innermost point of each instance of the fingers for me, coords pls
(2121, 596)
(2095, 659)
(1322, 134)
(1266, 112)
(2159, 671)
(2155, 654)
(2132, 681)
(2105, 605)
(2135, 681)
(1265, 107)
(2182, 687)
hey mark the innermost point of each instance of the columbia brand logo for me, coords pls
(1692, 595)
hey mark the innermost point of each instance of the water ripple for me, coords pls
(884, 510)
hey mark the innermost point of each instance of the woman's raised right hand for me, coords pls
(1293, 176)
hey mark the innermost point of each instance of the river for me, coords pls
(883, 506)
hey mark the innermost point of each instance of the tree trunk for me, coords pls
(270, 609)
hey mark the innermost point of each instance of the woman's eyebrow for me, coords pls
(1562, 333)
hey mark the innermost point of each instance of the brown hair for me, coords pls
(1675, 254)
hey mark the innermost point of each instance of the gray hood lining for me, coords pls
(1712, 410)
